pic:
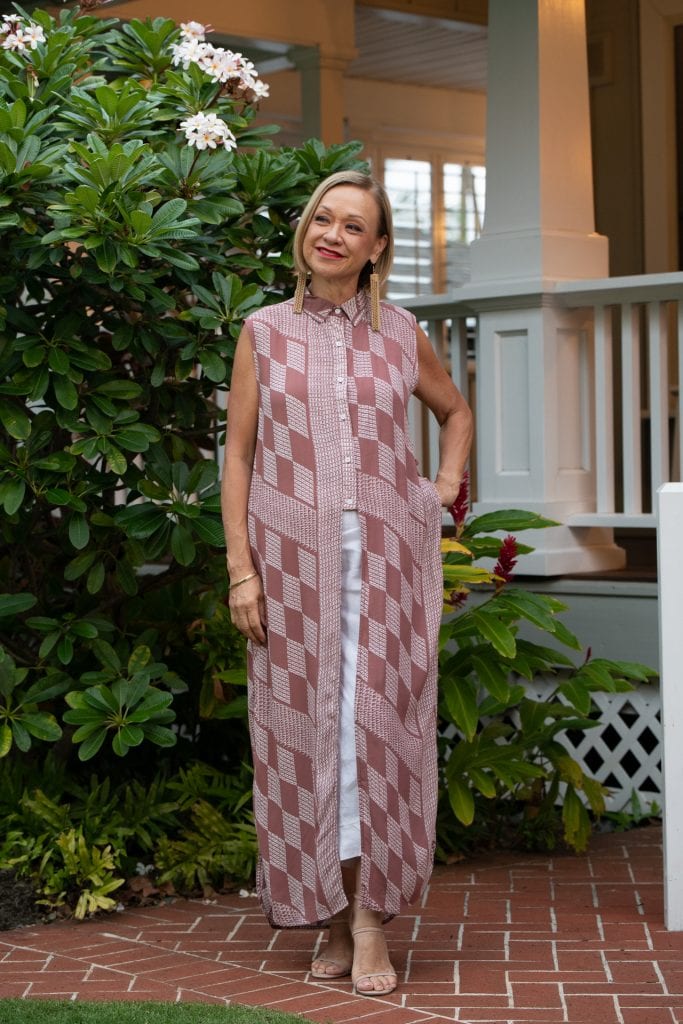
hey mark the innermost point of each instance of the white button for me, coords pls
(337, 309)
(349, 501)
(340, 380)
(343, 416)
(347, 458)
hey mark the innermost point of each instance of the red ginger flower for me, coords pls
(457, 598)
(461, 506)
(507, 560)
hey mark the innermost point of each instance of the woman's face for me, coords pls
(342, 236)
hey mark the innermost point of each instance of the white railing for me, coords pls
(638, 326)
(636, 387)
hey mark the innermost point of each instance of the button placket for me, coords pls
(339, 328)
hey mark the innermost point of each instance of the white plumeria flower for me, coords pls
(207, 131)
(193, 30)
(260, 90)
(189, 52)
(20, 37)
(10, 23)
(34, 34)
(220, 64)
(14, 41)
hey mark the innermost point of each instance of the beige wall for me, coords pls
(407, 119)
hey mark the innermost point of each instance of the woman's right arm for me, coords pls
(247, 604)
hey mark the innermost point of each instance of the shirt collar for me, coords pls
(356, 309)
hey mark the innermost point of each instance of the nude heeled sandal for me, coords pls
(372, 974)
(343, 965)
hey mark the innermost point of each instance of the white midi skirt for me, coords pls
(349, 815)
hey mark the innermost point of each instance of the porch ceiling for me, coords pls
(416, 50)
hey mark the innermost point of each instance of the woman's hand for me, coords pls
(447, 490)
(248, 610)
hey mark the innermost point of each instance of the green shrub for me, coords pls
(130, 257)
(503, 770)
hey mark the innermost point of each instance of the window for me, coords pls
(464, 190)
(438, 211)
(409, 184)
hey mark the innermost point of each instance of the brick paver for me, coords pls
(505, 939)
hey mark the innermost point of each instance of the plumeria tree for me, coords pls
(143, 215)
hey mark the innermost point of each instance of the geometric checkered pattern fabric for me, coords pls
(333, 435)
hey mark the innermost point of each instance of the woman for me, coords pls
(333, 545)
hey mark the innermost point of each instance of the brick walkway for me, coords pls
(510, 939)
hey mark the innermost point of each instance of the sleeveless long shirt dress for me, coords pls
(333, 436)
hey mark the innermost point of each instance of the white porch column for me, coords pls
(670, 576)
(534, 360)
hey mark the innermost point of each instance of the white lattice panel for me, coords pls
(624, 751)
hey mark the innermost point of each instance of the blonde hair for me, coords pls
(385, 226)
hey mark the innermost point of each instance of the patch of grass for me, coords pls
(49, 1011)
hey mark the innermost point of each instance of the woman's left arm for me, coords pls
(436, 389)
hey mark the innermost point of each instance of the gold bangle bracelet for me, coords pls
(244, 579)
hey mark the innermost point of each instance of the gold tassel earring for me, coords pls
(374, 300)
(300, 291)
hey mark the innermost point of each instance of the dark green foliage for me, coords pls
(504, 773)
(129, 261)
(81, 841)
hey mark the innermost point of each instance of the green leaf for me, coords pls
(182, 545)
(106, 655)
(493, 676)
(577, 826)
(118, 744)
(132, 735)
(532, 607)
(95, 578)
(5, 739)
(483, 782)
(48, 644)
(160, 735)
(141, 521)
(209, 530)
(496, 632)
(79, 565)
(65, 392)
(461, 701)
(13, 492)
(214, 366)
(65, 650)
(14, 420)
(21, 735)
(79, 531)
(42, 726)
(578, 695)
(461, 800)
(508, 520)
(15, 604)
(57, 462)
(58, 496)
(89, 747)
